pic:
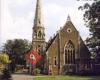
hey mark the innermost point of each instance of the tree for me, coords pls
(4, 58)
(92, 21)
(16, 49)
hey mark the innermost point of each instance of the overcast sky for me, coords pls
(17, 17)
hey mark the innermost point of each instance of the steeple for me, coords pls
(38, 15)
(38, 36)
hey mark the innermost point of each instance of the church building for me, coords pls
(65, 52)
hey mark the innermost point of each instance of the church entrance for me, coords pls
(69, 57)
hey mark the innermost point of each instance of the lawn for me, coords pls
(66, 78)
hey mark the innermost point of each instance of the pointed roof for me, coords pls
(68, 18)
(38, 15)
(51, 41)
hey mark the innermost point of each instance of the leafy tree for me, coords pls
(4, 58)
(92, 21)
(16, 49)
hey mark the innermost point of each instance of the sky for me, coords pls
(17, 16)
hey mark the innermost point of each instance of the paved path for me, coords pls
(22, 77)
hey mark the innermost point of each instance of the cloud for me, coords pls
(19, 8)
(6, 20)
(56, 16)
(19, 2)
(22, 2)
(52, 17)
(15, 27)
(18, 17)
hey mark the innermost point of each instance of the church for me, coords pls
(65, 52)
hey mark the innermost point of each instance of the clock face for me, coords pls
(69, 30)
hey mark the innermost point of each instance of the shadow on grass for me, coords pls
(87, 77)
(95, 78)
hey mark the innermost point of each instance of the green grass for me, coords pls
(65, 78)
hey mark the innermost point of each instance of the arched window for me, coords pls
(55, 61)
(39, 49)
(69, 53)
(34, 34)
(39, 34)
(39, 22)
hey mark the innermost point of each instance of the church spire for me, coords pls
(38, 36)
(38, 15)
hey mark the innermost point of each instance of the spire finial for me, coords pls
(68, 18)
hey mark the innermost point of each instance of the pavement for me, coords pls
(22, 77)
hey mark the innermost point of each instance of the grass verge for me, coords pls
(66, 78)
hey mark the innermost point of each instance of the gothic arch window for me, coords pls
(55, 61)
(34, 34)
(39, 22)
(69, 53)
(39, 49)
(39, 34)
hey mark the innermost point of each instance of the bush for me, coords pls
(6, 75)
(4, 58)
(36, 71)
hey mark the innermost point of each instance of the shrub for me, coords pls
(36, 71)
(6, 75)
